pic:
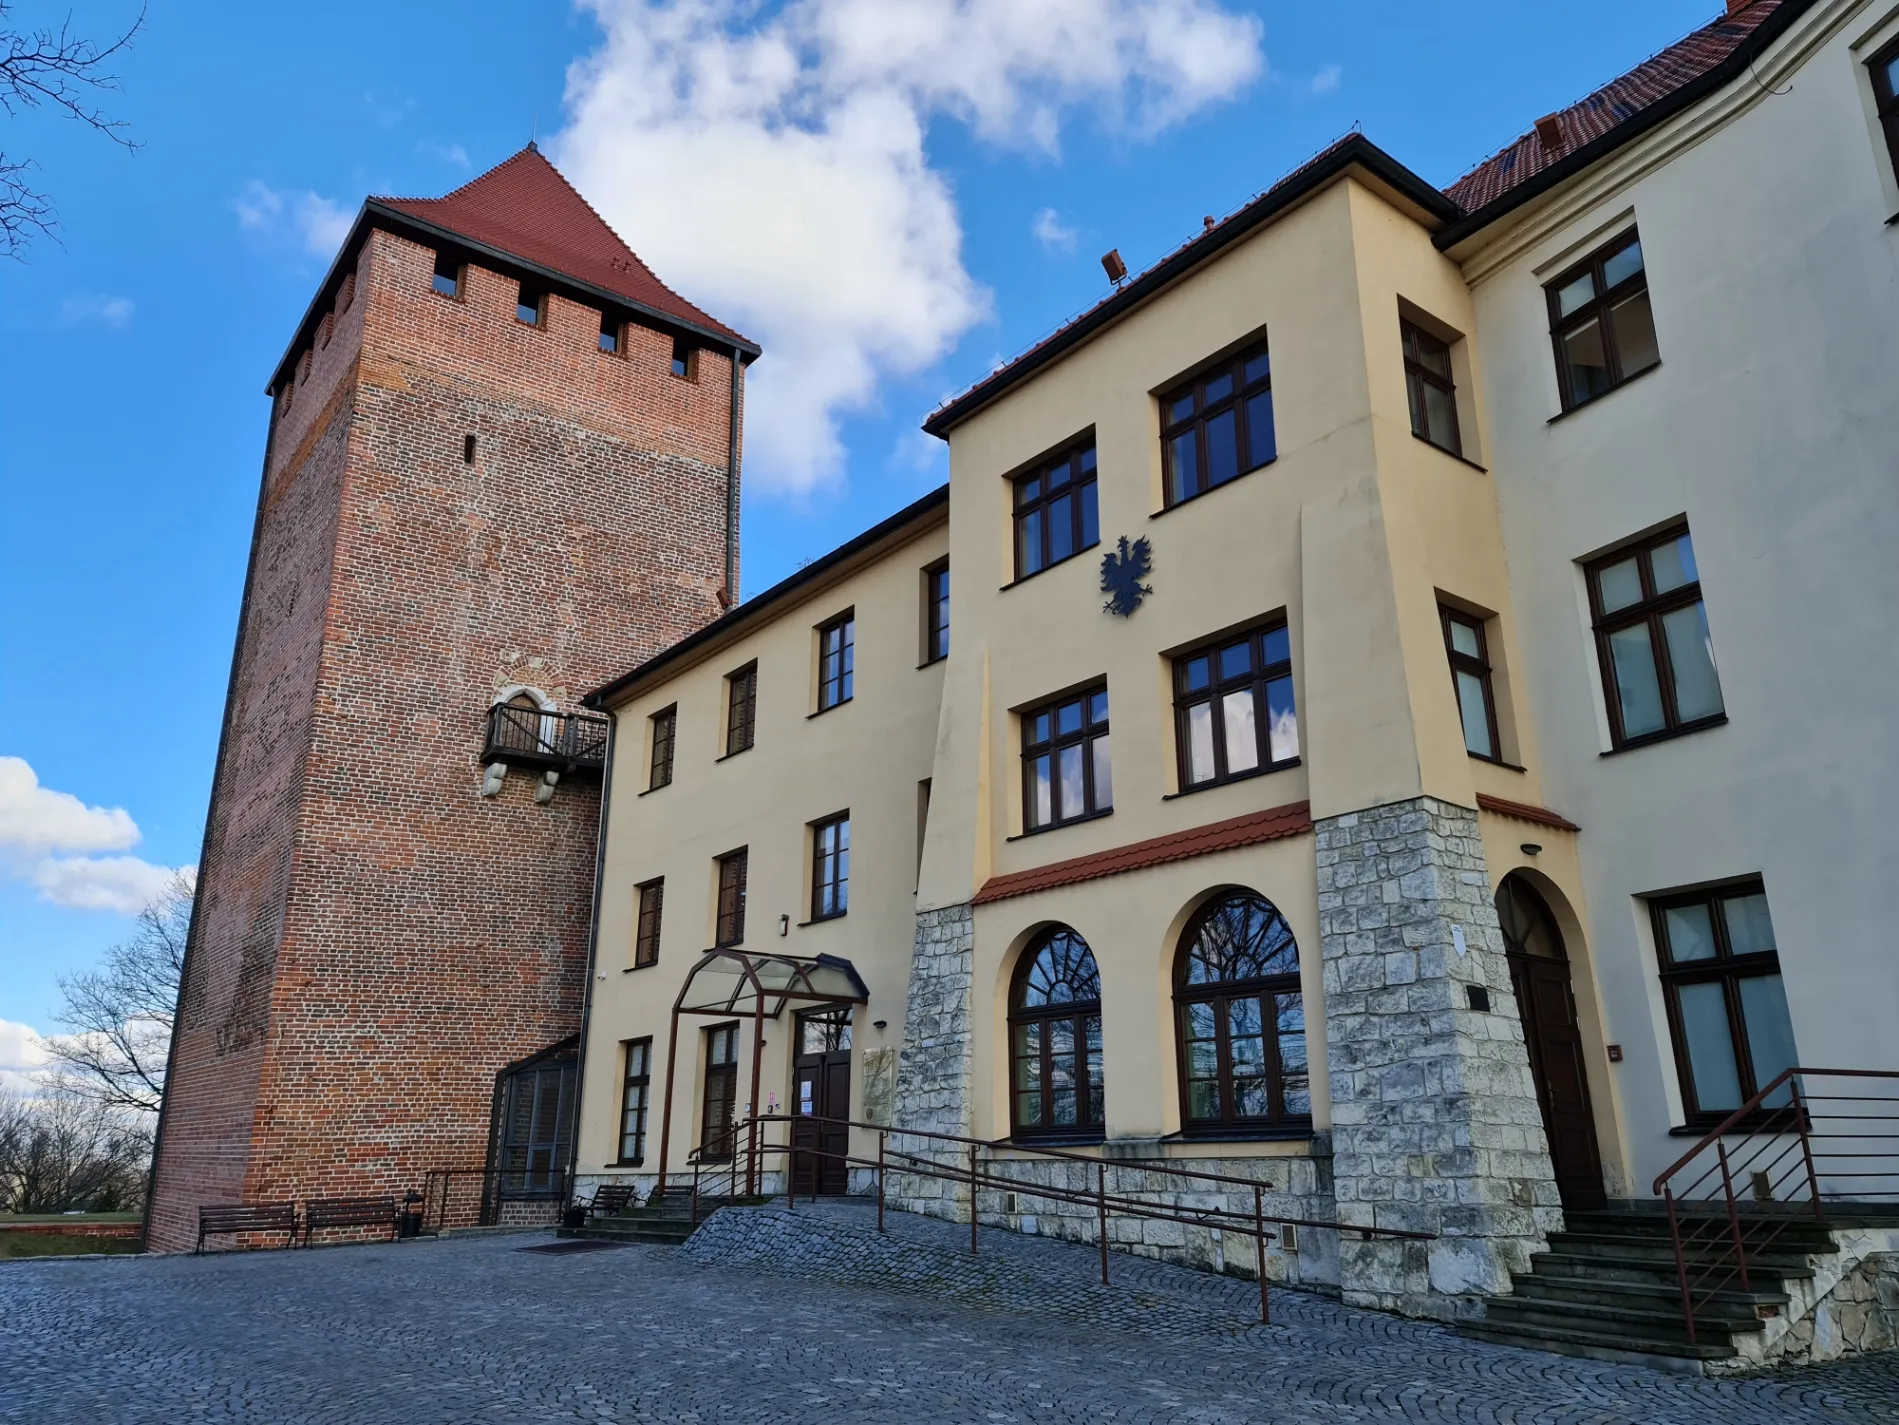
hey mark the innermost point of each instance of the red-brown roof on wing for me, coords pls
(525, 208)
(1649, 82)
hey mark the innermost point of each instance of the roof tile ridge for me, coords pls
(481, 177)
(625, 246)
(1767, 7)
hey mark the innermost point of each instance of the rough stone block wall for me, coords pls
(933, 1068)
(427, 936)
(1435, 1120)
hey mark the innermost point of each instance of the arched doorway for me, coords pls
(1539, 971)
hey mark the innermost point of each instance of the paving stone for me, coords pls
(763, 1319)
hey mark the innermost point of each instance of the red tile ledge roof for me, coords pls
(1523, 811)
(1293, 819)
(525, 208)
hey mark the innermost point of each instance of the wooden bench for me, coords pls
(248, 1217)
(610, 1199)
(349, 1212)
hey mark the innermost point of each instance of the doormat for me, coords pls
(563, 1248)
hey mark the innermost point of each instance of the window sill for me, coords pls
(628, 1163)
(1289, 1134)
(1265, 771)
(842, 703)
(1202, 494)
(629, 969)
(660, 788)
(1495, 761)
(727, 757)
(1746, 1128)
(1597, 400)
(1052, 564)
(1720, 720)
(1458, 456)
(932, 662)
(1060, 825)
(820, 920)
(1029, 1142)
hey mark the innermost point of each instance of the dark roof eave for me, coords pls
(1356, 150)
(777, 593)
(396, 219)
(1631, 128)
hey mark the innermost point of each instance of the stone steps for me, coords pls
(666, 1223)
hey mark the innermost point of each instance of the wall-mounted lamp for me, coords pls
(784, 925)
(1615, 1053)
(1112, 264)
(1529, 848)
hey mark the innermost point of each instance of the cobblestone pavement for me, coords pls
(474, 1330)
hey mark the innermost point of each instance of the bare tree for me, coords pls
(48, 68)
(61, 1151)
(118, 1018)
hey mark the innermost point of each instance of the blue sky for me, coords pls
(133, 353)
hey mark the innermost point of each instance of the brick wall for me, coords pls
(375, 939)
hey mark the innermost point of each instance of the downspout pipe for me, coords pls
(194, 933)
(593, 949)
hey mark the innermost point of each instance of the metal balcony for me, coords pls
(545, 741)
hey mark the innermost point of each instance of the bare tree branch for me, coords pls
(57, 69)
(118, 1018)
(62, 1152)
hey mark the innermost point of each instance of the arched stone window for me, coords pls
(1242, 1022)
(1055, 1039)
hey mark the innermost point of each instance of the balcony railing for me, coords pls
(545, 741)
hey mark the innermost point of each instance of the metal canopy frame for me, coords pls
(729, 981)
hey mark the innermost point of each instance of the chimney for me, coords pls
(1112, 264)
(1549, 129)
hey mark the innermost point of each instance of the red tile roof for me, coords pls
(523, 207)
(1523, 811)
(1683, 62)
(1290, 820)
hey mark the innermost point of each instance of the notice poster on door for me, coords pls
(804, 1098)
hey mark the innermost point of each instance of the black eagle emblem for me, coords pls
(1122, 573)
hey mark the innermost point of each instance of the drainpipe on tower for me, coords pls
(729, 594)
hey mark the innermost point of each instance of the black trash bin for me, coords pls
(409, 1220)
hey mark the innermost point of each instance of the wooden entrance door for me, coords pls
(1539, 971)
(821, 1090)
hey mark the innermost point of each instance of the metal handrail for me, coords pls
(573, 739)
(1787, 1154)
(438, 1185)
(1257, 1224)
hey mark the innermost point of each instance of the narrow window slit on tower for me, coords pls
(528, 307)
(468, 449)
(448, 275)
(685, 359)
(609, 333)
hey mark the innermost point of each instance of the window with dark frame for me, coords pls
(1056, 516)
(837, 661)
(1066, 771)
(831, 867)
(741, 708)
(1884, 67)
(652, 901)
(665, 725)
(1658, 672)
(729, 928)
(537, 1127)
(1469, 653)
(1727, 1005)
(1234, 712)
(1241, 1018)
(1431, 388)
(1600, 322)
(1218, 426)
(634, 1098)
(685, 359)
(447, 280)
(610, 333)
(936, 612)
(528, 307)
(1055, 1073)
(721, 1093)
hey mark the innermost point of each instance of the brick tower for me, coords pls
(502, 467)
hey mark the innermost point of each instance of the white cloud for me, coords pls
(771, 164)
(124, 884)
(36, 818)
(1326, 81)
(21, 1055)
(315, 222)
(452, 154)
(45, 834)
(1049, 231)
(88, 308)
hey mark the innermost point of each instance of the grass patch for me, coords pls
(61, 1244)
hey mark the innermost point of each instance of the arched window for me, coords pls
(1242, 1021)
(1055, 1039)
